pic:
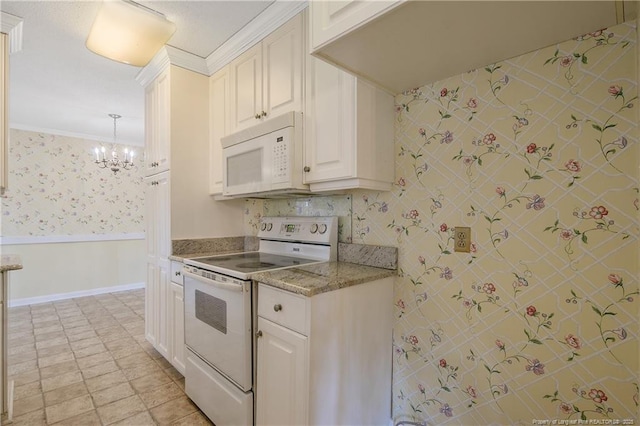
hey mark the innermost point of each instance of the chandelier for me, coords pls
(114, 162)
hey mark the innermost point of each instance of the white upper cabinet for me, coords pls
(348, 132)
(158, 124)
(331, 19)
(219, 126)
(266, 80)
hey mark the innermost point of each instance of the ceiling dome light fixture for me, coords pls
(114, 163)
(128, 32)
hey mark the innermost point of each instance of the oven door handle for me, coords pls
(227, 286)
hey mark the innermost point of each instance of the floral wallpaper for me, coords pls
(539, 156)
(55, 188)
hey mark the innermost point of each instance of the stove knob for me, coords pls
(322, 229)
(263, 226)
(314, 228)
(269, 226)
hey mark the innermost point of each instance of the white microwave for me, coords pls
(265, 159)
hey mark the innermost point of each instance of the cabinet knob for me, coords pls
(307, 169)
(259, 334)
(264, 114)
(257, 116)
(178, 273)
(277, 307)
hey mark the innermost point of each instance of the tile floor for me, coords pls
(85, 362)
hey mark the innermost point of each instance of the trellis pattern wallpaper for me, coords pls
(539, 156)
(56, 189)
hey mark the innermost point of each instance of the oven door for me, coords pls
(217, 322)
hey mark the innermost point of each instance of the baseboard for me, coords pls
(73, 294)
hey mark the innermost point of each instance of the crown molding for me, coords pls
(12, 25)
(170, 55)
(261, 26)
(279, 12)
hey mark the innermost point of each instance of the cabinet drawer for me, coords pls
(287, 309)
(176, 272)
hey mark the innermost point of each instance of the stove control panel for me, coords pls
(309, 229)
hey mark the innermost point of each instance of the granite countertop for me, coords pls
(10, 262)
(322, 277)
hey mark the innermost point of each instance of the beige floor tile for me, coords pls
(125, 352)
(180, 383)
(140, 419)
(84, 343)
(126, 342)
(135, 359)
(20, 348)
(99, 370)
(27, 390)
(34, 418)
(25, 356)
(55, 359)
(121, 409)
(75, 323)
(68, 409)
(163, 363)
(50, 336)
(150, 382)
(173, 410)
(161, 394)
(90, 350)
(96, 359)
(90, 418)
(107, 396)
(73, 337)
(194, 419)
(54, 350)
(17, 336)
(141, 370)
(22, 367)
(24, 378)
(50, 343)
(47, 328)
(105, 381)
(63, 380)
(58, 369)
(27, 405)
(65, 393)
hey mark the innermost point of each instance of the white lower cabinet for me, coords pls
(325, 359)
(282, 375)
(176, 318)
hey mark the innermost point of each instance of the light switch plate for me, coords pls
(462, 239)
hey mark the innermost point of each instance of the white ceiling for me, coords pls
(58, 86)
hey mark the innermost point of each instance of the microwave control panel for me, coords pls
(280, 157)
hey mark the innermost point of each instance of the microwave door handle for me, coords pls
(227, 286)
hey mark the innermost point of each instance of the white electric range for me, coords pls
(220, 311)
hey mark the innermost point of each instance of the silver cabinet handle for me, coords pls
(277, 307)
(259, 334)
(307, 169)
(178, 273)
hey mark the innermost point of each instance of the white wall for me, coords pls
(63, 270)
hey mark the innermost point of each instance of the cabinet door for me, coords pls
(330, 19)
(150, 130)
(282, 68)
(282, 379)
(157, 124)
(151, 286)
(177, 327)
(246, 88)
(219, 126)
(330, 128)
